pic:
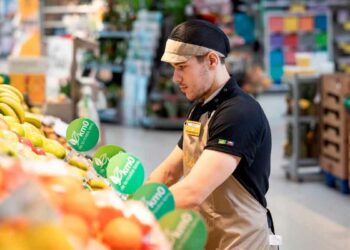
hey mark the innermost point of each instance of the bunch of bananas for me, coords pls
(12, 104)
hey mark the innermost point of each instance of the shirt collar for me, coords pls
(211, 97)
(229, 89)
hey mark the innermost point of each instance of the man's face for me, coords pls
(193, 78)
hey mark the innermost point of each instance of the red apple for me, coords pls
(27, 142)
(38, 151)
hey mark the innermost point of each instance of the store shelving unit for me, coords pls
(114, 34)
(311, 3)
(284, 38)
(341, 39)
(112, 114)
(53, 15)
(298, 167)
(78, 43)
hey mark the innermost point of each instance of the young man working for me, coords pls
(225, 149)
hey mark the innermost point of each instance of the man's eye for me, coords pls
(181, 67)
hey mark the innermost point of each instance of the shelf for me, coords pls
(304, 119)
(114, 34)
(54, 25)
(312, 79)
(305, 162)
(113, 67)
(82, 9)
(277, 88)
(280, 4)
(308, 162)
(163, 123)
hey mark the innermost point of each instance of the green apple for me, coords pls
(10, 119)
(8, 135)
(54, 147)
(16, 127)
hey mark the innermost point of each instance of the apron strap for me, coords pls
(270, 221)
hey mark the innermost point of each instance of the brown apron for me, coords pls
(234, 218)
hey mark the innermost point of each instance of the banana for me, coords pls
(13, 89)
(97, 184)
(10, 94)
(76, 162)
(7, 110)
(30, 118)
(17, 107)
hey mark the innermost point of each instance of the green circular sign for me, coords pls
(102, 156)
(157, 198)
(185, 229)
(82, 134)
(125, 172)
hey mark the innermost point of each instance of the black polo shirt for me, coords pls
(239, 127)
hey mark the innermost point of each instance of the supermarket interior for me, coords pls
(91, 111)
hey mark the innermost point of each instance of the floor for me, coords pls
(308, 215)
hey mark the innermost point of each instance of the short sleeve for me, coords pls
(235, 128)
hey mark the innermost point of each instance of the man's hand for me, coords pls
(170, 170)
(210, 171)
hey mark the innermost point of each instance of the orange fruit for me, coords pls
(48, 236)
(122, 234)
(144, 227)
(106, 214)
(1, 180)
(80, 203)
(64, 184)
(76, 226)
(12, 238)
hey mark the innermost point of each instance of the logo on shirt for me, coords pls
(226, 142)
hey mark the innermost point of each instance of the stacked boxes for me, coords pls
(334, 131)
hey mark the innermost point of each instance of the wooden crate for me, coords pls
(334, 125)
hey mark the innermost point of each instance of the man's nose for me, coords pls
(177, 77)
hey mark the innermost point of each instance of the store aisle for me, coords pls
(308, 215)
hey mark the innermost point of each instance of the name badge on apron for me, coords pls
(192, 128)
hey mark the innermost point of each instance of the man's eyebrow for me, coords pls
(179, 64)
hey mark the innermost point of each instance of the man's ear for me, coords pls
(213, 59)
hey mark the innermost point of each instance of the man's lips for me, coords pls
(183, 88)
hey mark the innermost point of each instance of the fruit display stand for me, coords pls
(334, 123)
(44, 206)
(53, 196)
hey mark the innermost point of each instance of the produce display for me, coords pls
(53, 196)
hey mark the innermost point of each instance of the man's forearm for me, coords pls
(163, 175)
(185, 195)
(170, 170)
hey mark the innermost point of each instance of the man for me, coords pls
(225, 149)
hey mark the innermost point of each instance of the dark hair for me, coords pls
(200, 59)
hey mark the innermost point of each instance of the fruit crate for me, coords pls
(334, 129)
